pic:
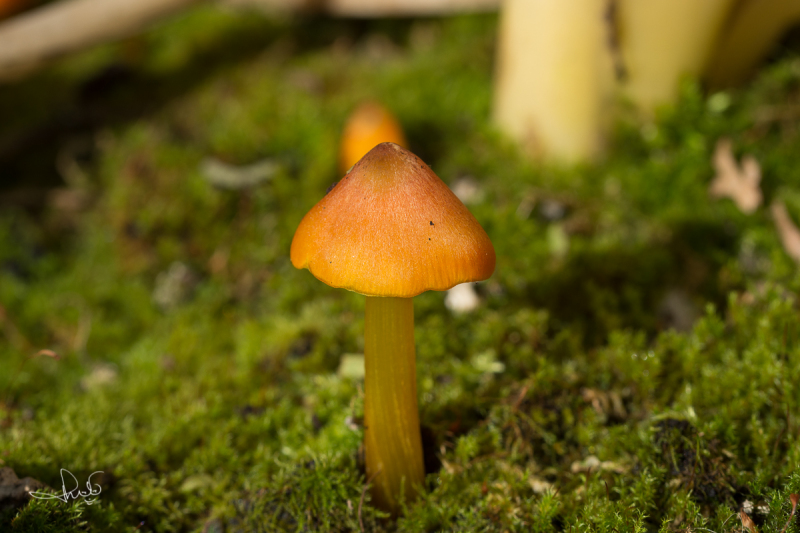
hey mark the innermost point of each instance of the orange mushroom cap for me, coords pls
(369, 125)
(391, 227)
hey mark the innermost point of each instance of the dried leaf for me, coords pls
(740, 184)
(790, 235)
(747, 522)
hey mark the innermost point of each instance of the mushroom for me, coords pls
(665, 40)
(555, 77)
(390, 230)
(369, 125)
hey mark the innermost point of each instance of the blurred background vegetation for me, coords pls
(633, 364)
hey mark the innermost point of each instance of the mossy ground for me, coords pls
(564, 403)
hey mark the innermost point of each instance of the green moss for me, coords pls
(55, 516)
(563, 403)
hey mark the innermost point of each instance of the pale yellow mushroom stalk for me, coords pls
(554, 80)
(664, 41)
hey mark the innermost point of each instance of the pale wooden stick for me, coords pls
(33, 38)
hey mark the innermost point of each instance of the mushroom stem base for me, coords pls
(392, 441)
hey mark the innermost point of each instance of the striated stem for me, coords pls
(392, 438)
(555, 76)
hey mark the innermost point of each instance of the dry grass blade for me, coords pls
(789, 234)
(48, 353)
(794, 498)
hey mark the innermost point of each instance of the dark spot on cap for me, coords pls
(331, 187)
(432, 224)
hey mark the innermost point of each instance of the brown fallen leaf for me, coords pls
(740, 184)
(747, 522)
(789, 234)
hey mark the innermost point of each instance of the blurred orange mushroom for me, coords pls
(9, 7)
(754, 28)
(369, 125)
(391, 229)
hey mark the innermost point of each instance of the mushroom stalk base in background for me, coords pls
(392, 439)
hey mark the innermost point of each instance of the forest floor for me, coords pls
(634, 363)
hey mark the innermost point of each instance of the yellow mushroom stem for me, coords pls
(392, 439)
(665, 40)
(555, 76)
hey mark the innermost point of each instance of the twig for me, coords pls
(520, 397)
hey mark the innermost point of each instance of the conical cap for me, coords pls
(391, 227)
